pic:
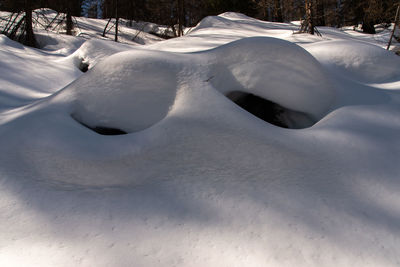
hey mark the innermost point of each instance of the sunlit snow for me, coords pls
(197, 180)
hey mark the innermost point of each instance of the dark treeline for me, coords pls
(189, 12)
(326, 12)
(66, 6)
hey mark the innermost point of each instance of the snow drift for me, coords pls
(134, 90)
(130, 91)
(359, 60)
(274, 69)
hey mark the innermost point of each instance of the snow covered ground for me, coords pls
(197, 180)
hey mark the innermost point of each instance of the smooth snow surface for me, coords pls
(362, 61)
(135, 89)
(199, 181)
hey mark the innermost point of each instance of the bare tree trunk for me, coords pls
(105, 28)
(396, 21)
(309, 17)
(69, 22)
(277, 11)
(116, 21)
(116, 29)
(29, 35)
(181, 16)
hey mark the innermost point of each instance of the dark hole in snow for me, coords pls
(102, 129)
(271, 112)
(108, 131)
(84, 67)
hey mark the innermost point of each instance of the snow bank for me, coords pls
(5, 41)
(132, 91)
(358, 60)
(94, 50)
(129, 91)
(28, 74)
(274, 69)
(58, 44)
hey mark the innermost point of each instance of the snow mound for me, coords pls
(276, 70)
(358, 60)
(125, 92)
(93, 50)
(236, 16)
(133, 90)
(223, 20)
(58, 44)
(212, 21)
(28, 74)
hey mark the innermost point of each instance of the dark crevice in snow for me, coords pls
(107, 131)
(84, 67)
(81, 64)
(102, 129)
(271, 112)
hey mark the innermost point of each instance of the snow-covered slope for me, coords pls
(197, 180)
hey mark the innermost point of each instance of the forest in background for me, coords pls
(187, 13)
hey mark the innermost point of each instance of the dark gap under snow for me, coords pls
(271, 112)
(103, 130)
